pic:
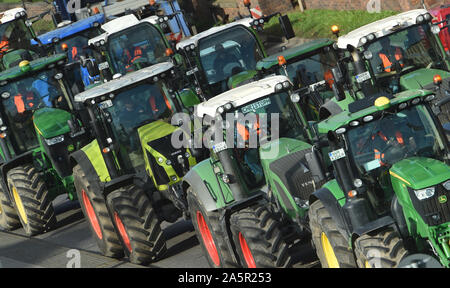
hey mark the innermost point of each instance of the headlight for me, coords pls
(55, 140)
(279, 87)
(192, 47)
(424, 194)
(435, 29)
(58, 76)
(420, 19)
(447, 185)
(5, 95)
(364, 40)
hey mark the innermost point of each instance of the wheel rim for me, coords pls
(91, 214)
(123, 233)
(207, 239)
(246, 252)
(19, 205)
(328, 251)
(367, 264)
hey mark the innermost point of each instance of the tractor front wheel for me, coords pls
(258, 236)
(331, 247)
(138, 224)
(9, 220)
(209, 234)
(383, 249)
(96, 212)
(31, 199)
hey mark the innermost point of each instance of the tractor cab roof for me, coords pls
(380, 28)
(125, 81)
(120, 24)
(371, 106)
(32, 66)
(11, 15)
(293, 53)
(72, 29)
(241, 95)
(247, 22)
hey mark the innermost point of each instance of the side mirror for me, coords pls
(92, 68)
(286, 27)
(337, 86)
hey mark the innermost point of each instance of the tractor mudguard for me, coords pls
(17, 161)
(193, 179)
(79, 157)
(329, 109)
(117, 183)
(373, 226)
(334, 208)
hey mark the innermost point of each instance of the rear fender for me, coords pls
(20, 160)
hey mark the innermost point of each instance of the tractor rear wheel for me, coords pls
(96, 212)
(258, 237)
(331, 247)
(138, 224)
(209, 234)
(31, 199)
(9, 220)
(383, 249)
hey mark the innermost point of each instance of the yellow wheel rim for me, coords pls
(328, 251)
(19, 205)
(367, 265)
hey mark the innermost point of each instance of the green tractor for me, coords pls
(16, 35)
(400, 53)
(129, 178)
(389, 197)
(215, 55)
(35, 142)
(249, 200)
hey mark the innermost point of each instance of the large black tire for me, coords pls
(331, 247)
(138, 224)
(258, 238)
(383, 249)
(209, 234)
(96, 212)
(32, 199)
(9, 220)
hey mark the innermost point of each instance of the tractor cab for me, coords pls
(129, 44)
(308, 66)
(73, 39)
(217, 54)
(441, 16)
(391, 161)
(16, 35)
(402, 52)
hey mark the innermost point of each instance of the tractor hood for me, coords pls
(241, 78)
(421, 78)
(420, 173)
(155, 130)
(51, 122)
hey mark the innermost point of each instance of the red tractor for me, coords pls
(442, 15)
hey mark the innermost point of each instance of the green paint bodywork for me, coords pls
(237, 79)
(189, 98)
(36, 65)
(285, 147)
(293, 54)
(344, 118)
(421, 78)
(51, 122)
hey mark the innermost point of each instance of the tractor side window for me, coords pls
(136, 48)
(228, 53)
(134, 108)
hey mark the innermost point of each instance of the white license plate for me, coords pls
(103, 66)
(363, 77)
(336, 155)
(105, 104)
(219, 147)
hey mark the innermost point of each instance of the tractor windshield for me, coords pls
(135, 48)
(16, 36)
(132, 109)
(21, 98)
(404, 51)
(78, 44)
(314, 72)
(227, 53)
(256, 123)
(380, 144)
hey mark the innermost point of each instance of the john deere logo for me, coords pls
(443, 199)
